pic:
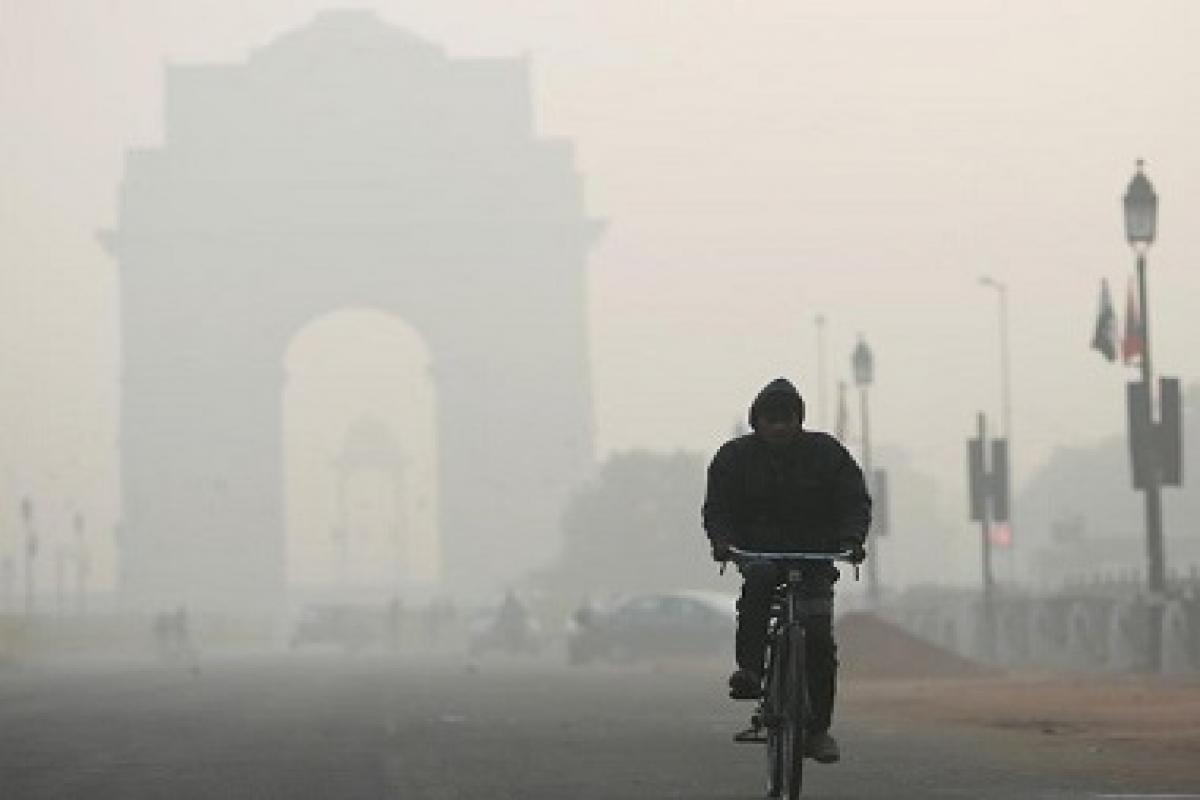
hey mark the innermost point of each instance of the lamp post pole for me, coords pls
(1157, 573)
(1005, 386)
(873, 562)
(1005, 394)
(863, 362)
(989, 582)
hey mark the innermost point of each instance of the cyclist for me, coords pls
(784, 488)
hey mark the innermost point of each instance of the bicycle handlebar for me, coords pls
(738, 555)
(750, 555)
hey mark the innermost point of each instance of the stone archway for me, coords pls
(346, 164)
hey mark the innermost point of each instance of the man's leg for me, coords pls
(821, 655)
(754, 609)
(822, 669)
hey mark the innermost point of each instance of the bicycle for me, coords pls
(783, 710)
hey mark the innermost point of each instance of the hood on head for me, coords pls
(779, 386)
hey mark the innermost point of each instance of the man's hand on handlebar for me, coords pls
(855, 552)
(720, 550)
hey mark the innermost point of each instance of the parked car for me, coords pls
(648, 626)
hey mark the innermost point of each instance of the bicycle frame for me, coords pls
(784, 708)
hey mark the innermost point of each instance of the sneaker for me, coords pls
(822, 748)
(745, 684)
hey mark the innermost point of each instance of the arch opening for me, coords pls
(360, 459)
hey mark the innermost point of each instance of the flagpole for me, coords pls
(1105, 337)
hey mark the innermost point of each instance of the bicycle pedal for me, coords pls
(750, 736)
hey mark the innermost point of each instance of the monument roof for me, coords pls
(350, 31)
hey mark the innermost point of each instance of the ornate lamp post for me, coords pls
(1141, 218)
(863, 363)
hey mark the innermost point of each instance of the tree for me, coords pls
(1080, 514)
(636, 527)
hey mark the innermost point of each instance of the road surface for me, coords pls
(327, 727)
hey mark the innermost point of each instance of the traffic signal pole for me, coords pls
(985, 538)
(987, 476)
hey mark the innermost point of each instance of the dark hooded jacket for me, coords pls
(807, 494)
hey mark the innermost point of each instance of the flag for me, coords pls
(1105, 337)
(1133, 344)
(843, 414)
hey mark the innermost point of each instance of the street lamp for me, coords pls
(863, 363)
(1141, 210)
(1141, 218)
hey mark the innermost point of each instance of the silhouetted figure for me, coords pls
(173, 638)
(782, 488)
(512, 630)
(512, 620)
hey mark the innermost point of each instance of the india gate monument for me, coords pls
(346, 165)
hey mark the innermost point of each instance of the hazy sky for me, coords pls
(758, 163)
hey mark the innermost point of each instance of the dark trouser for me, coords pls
(754, 608)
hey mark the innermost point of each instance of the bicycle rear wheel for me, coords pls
(792, 731)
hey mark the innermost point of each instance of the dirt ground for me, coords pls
(1125, 725)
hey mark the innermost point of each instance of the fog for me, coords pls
(731, 173)
(364, 367)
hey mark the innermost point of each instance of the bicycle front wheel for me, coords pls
(773, 713)
(792, 730)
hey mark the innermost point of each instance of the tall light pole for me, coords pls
(1005, 386)
(1141, 217)
(863, 363)
(1005, 390)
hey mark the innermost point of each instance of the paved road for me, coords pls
(340, 729)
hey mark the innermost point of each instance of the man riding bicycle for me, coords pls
(783, 488)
